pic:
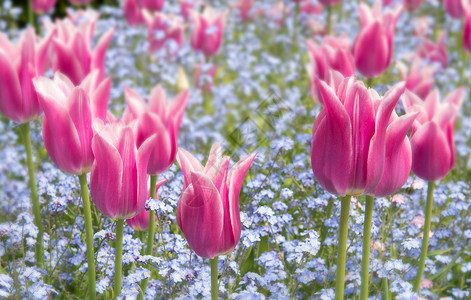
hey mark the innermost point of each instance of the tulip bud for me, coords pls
(208, 209)
(433, 153)
(43, 6)
(208, 27)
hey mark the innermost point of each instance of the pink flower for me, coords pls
(68, 114)
(152, 5)
(208, 209)
(19, 64)
(433, 153)
(162, 28)
(244, 7)
(208, 27)
(434, 51)
(79, 2)
(204, 76)
(311, 8)
(373, 46)
(419, 78)
(412, 5)
(118, 182)
(359, 145)
(186, 6)
(467, 32)
(43, 6)
(333, 54)
(141, 221)
(454, 8)
(73, 54)
(132, 12)
(157, 118)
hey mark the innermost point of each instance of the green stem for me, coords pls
(118, 265)
(423, 254)
(365, 260)
(385, 289)
(329, 20)
(88, 236)
(151, 236)
(26, 132)
(214, 278)
(31, 20)
(369, 82)
(342, 246)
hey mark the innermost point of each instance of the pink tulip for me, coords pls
(454, 8)
(118, 182)
(373, 46)
(158, 117)
(19, 64)
(208, 27)
(419, 79)
(132, 12)
(433, 153)
(73, 54)
(141, 221)
(162, 28)
(244, 7)
(333, 54)
(309, 7)
(208, 209)
(68, 115)
(43, 6)
(278, 12)
(204, 76)
(329, 2)
(434, 51)
(186, 6)
(359, 145)
(152, 5)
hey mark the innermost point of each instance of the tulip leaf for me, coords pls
(262, 246)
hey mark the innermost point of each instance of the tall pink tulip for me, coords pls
(162, 28)
(118, 181)
(208, 209)
(359, 145)
(467, 32)
(244, 7)
(454, 8)
(373, 45)
(68, 114)
(73, 53)
(132, 12)
(141, 221)
(333, 54)
(19, 64)
(152, 5)
(43, 6)
(434, 51)
(208, 27)
(157, 117)
(433, 153)
(419, 78)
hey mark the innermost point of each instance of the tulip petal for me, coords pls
(10, 89)
(201, 215)
(98, 57)
(135, 105)
(158, 102)
(188, 163)
(105, 179)
(332, 143)
(129, 189)
(376, 153)
(67, 62)
(398, 156)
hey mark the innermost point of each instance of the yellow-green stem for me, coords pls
(214, 278)
(150, 237)
(26, 132)
(365, 260)
(329, 20)
(342, 247)
(88, 237)
(118, 266)
(423, 254)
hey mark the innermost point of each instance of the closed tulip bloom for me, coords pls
(118, 182)
(162, 28)
(333, 54)
(419, 78)
(19, 64)
(132, 12)
(208, 209)
(141, 221)
(152, 5)
(433, 153)
(68, 114)
(373, 45)
(73, 53)
(43, 6)
(157, 117)
(208, 27)
(359, 146)
(454, 8)
(467, 32)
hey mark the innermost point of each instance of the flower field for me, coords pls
(313, 149)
